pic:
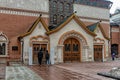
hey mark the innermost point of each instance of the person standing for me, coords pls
(40, 56)
(47, 56)
(113, 55)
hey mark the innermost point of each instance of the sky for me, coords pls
(116, 4)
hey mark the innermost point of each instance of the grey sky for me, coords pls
(116, 4)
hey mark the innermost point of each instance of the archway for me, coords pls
(37, 43)
(71, 50)
(99, 51)
(81, 43)
(114, 48)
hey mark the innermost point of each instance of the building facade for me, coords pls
(115, 33)
(68, 36)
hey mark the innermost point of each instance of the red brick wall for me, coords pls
(116, 37)
(13, 26)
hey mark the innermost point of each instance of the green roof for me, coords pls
(92, 27)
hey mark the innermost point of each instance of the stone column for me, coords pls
(103, 54)
(52, 55)
(85, 53)
(30, 56)
(6, 49)
(60, 53)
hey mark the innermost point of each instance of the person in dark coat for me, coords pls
(47, 56)
(40, 56)
(113, 55)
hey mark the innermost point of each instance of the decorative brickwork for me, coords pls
(59, 10)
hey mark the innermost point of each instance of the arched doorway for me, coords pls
(37, 43)
(71, 50)
(36, 49)
(114, 48)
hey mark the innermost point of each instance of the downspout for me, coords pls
(22, 44)
(110, 40)
(119, 41)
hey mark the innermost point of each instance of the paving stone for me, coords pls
(75, 71)
(20, 73)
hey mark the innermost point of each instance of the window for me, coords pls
(75, 47)
(67, 47)
(55, 6)
(61, 7)
(2, 49)
(68, 7)
(61, 18)
(3, 44)
(55, 19)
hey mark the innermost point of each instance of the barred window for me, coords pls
(61, 7)
(55, 19)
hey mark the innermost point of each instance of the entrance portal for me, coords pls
(36, 49)
(114, 48)
(71, 50)
(98, 52)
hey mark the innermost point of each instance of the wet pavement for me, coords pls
(55, 73)
(20, 73)
(64, 71)
(2, 71)
(75, 71)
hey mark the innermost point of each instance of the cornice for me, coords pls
(93, 18)
(21, 11)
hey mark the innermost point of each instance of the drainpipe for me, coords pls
(119, 41)
(22, 43)
(110, 38)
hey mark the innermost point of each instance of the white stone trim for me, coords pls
(92, 20)
(75, 35)
(83, 46)
(115, 30)
(25, 13)
(6, 44)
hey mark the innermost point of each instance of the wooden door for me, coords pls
(71, 50)
(98, 52)
(36, 49)
(44, 48)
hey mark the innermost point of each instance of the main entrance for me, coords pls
(71, 50)
(98, 52)
(36, 49)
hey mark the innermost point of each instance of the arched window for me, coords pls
(68, 7)
(114, 48)
(55, 6)
(61, 18)
(61, 7)
(3, 44)
(55, 19)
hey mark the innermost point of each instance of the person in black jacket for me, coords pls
(40, 56)
(47, 57)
